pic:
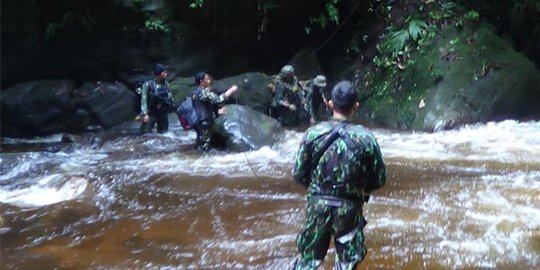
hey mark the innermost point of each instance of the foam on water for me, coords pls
(491, 215)
(48, 190)
(507, 142)
(46, 139)
(490, 222)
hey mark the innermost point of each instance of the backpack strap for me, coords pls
(335, 133)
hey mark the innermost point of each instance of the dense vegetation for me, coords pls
(267, 31)
(404, 55)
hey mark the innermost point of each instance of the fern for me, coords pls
(333, 13)
(396, 42)
(416, 29)
(196, 4)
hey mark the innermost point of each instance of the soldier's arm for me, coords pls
(376, 169)
(309, 103)
(144, 98)
(280, 96)
(302, 164)
(212, 98)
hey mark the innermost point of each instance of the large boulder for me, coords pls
(35, 108)
(54, 106)
(244, 129)
(467, 75)
(253, 91)
(109, 103)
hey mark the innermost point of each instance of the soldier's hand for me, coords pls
(231, 90)
(292, 107)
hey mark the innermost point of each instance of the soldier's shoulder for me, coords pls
(360, 132)
(150, 83)
(316, 130)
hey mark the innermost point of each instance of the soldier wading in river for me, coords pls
(340, 164)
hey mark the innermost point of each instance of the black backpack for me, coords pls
(155, 95)
(160, 95)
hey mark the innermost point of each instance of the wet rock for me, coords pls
(110, 103)
(66, 138)
(245, 129)
(36, 108)
(466, 76)
(252, 91)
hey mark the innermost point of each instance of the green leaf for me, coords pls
(196, 4)
(416, 28)
(472, 15)
(333, 13)
(397, 41)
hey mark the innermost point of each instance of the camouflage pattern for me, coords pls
(288, 93)
(313, 98)
(153, 86)
(157, 111)
(204, 136)
(209, 103)
(337, 184)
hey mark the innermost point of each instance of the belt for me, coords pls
(333, 201)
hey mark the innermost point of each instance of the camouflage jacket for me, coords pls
(349, 168)
(311, 92)
(207, 103)
(287, 92)
(150, 88)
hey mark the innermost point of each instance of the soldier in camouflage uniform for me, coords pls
(156, 102)
(340, 164)
(287, 102)
(207, 103)
(314, 96)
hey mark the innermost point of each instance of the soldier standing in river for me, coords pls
(287, 101)
(340, 164)
(207, 103)
(156, 102)
(314, 96)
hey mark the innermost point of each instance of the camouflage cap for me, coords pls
(287, 69)
(344, 94)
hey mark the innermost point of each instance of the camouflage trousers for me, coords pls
(204, 136)
(344, 222)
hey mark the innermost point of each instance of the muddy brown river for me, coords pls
(461, 199)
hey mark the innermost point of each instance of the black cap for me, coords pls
(344, 94)
(158, 68)
(199, 77)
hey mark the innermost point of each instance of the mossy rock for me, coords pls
(465, 76)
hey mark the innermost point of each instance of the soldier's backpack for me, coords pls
(155, 95)
(187, 114)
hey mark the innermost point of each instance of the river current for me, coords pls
(461, 199)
